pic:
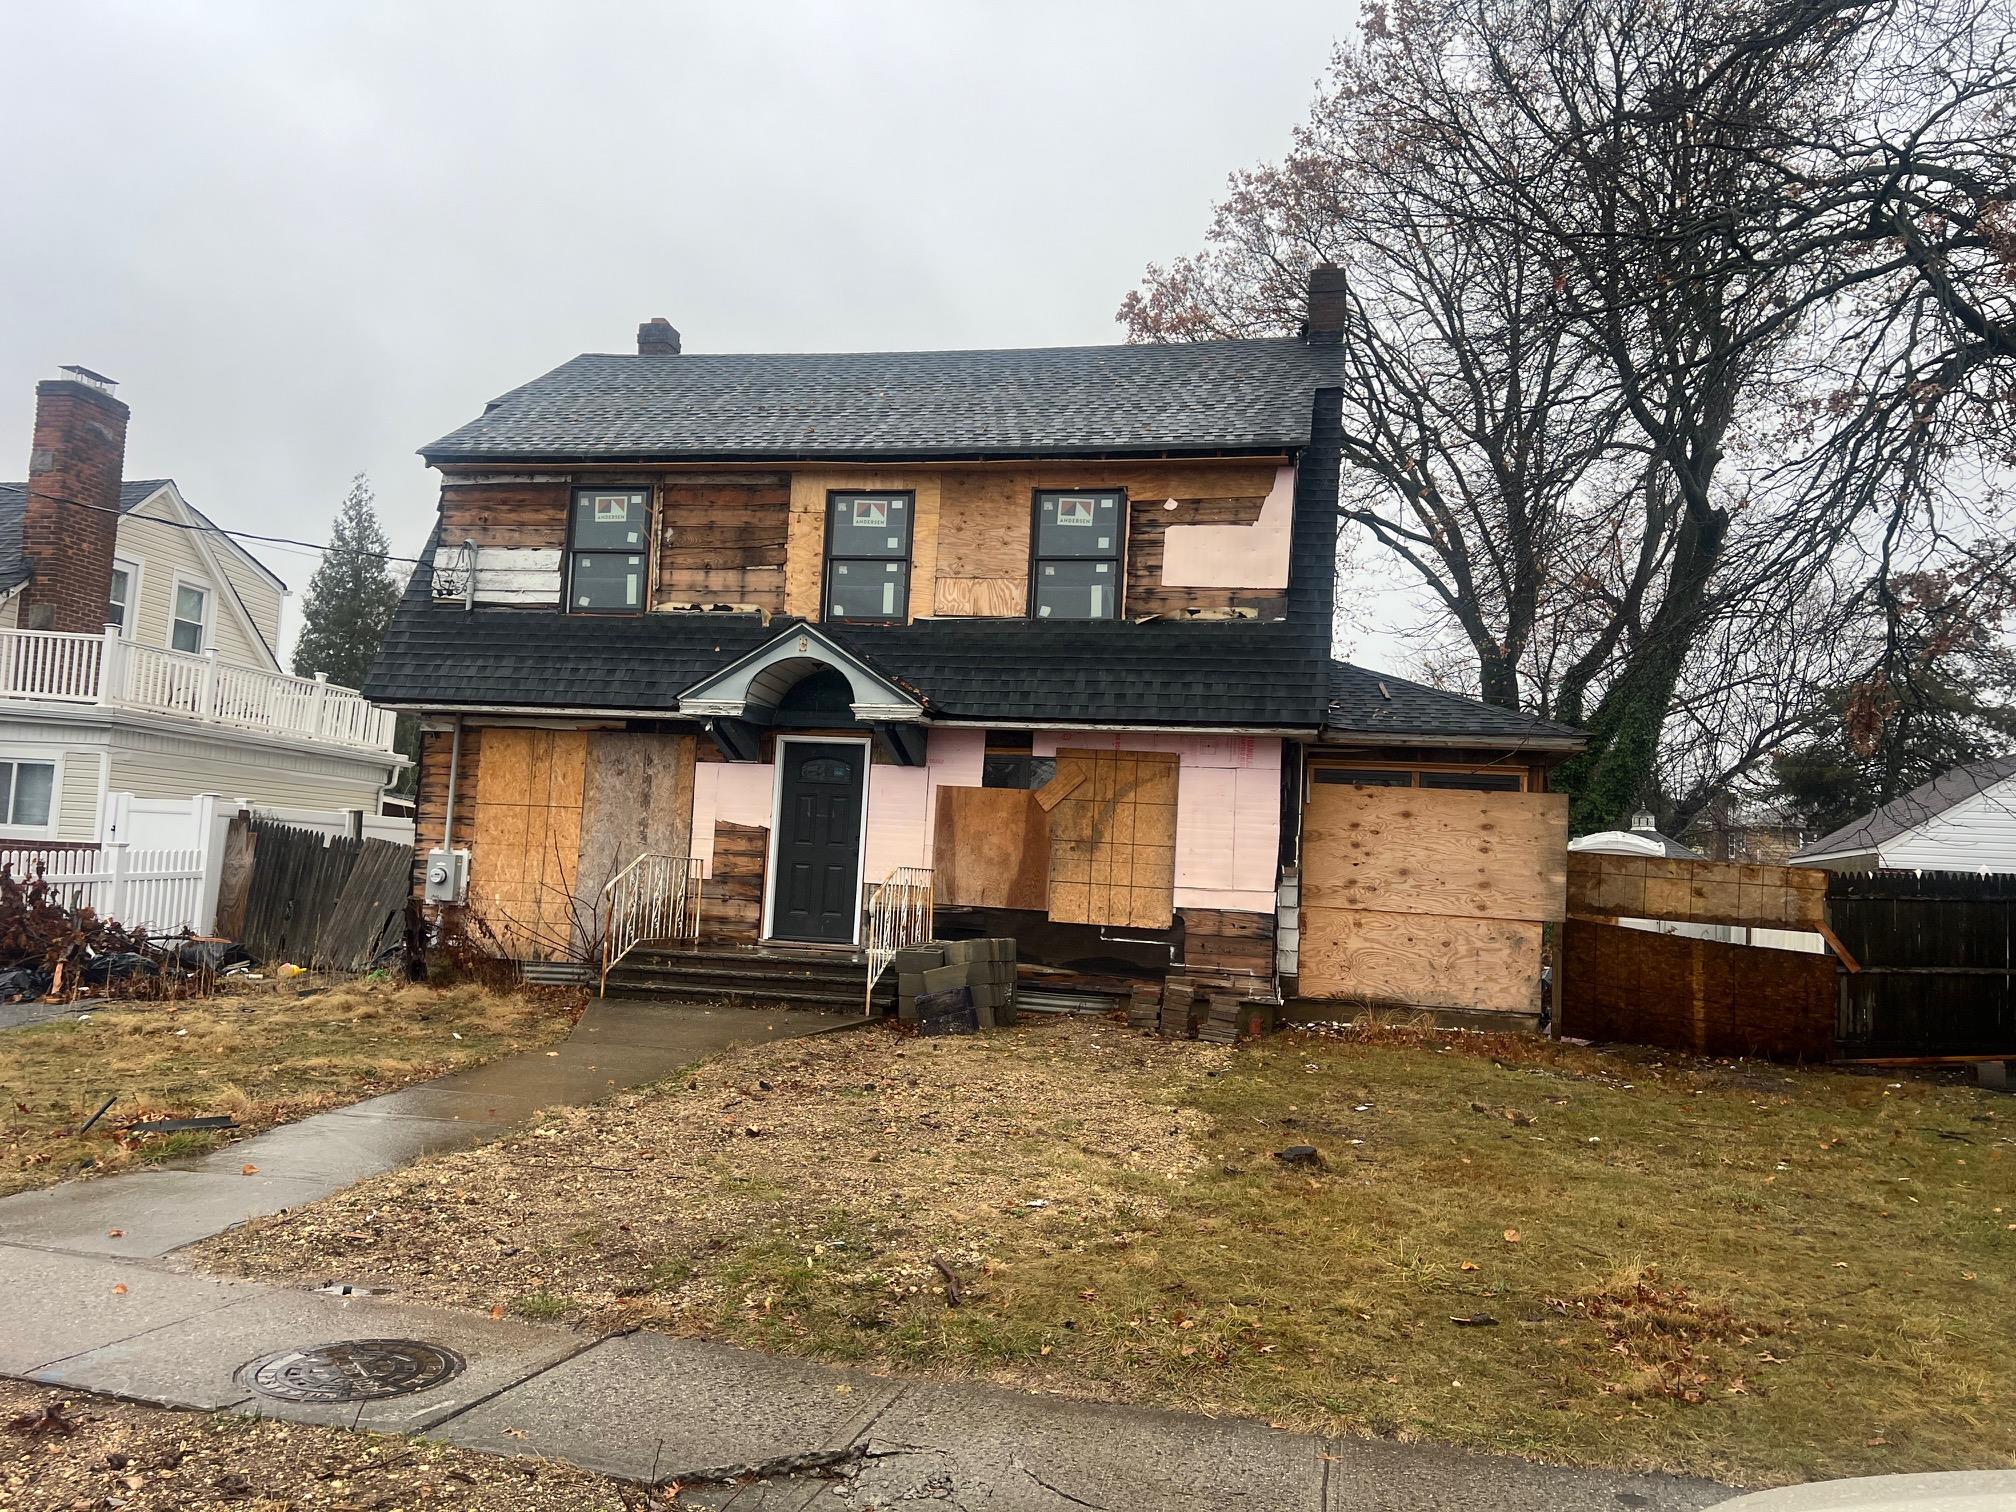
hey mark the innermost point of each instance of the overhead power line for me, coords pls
(241, 535)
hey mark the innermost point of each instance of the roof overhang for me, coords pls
(750, 687)
(1550, 743)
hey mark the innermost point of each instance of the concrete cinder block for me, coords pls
(918, 958)
(959, 952)
(944, 978)
(909, 983)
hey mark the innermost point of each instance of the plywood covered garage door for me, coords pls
(1427, 897)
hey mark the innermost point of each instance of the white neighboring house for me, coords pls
(1644, 839)
(176, 689)
(1962, 820)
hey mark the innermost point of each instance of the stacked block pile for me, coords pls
(956, 986)
(1182, 1009)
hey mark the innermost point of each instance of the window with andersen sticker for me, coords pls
(868, 556)
(1075, 573)
(608, 546)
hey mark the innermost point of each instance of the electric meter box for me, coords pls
(447, 875)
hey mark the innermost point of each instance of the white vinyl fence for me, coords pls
(162, 864)
(160, 891)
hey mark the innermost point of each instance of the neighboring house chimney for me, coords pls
(1325, 326)
(657, 338)
(78, 456)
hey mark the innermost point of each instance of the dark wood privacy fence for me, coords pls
(331, 903)
(1937, 952)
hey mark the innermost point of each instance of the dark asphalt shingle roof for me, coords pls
(1926, 801)
(1193, 396)
(1364, 702)
(14, 506)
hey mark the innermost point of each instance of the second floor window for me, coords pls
(1075, 573)
(192, 617)
(608, 548)
(868, 556)
(119, 608)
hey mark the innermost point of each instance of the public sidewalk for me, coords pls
(739, 1429)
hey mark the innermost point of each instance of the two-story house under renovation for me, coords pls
(138, 650)
(1044, 633)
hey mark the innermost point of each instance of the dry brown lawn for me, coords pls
(1733, 1269)
(98, 1452)
(262, 1052)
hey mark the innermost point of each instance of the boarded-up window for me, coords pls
(526, 840)
(1113, 839)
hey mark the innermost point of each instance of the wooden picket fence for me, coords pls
(323, 901)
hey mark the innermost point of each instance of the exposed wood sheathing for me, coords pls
(722, 542)
(991, 849)
(1427, 898)
(1113, 840)
(1696, 892)
(525, 842)
(732, 900)
(804, 575)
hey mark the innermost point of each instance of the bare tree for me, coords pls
(1669, 316)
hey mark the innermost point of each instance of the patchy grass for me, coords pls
(1733, 1269)
(263, 1052)
(153, 1459)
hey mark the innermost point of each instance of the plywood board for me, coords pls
(1689, 994)
(1411, 850)
(637, 799)
(980, 598)
(1696, 892)
(525, 840)
(990, 849)
(1420, 960)
(1113, 839)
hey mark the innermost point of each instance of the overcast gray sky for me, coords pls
(307, 237)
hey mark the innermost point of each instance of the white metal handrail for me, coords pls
(107, 670)
(655, 897)
(899, 916)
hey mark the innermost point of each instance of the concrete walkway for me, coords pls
(741, 1430)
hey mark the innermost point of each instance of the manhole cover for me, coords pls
(356, 1370)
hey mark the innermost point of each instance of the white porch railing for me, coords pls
(114, 673)
(898, 912)
(655, 897)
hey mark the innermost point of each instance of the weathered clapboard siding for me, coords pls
(732, 900)
(724, 543)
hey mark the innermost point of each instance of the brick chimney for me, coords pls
(1327, 305)
(657, 338)
(78, 456)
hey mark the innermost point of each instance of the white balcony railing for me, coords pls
(114, 673)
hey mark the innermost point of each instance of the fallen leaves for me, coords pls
(1511, 1236)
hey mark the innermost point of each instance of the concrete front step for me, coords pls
(741, 976)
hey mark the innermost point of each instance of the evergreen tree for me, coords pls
(350, 598)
